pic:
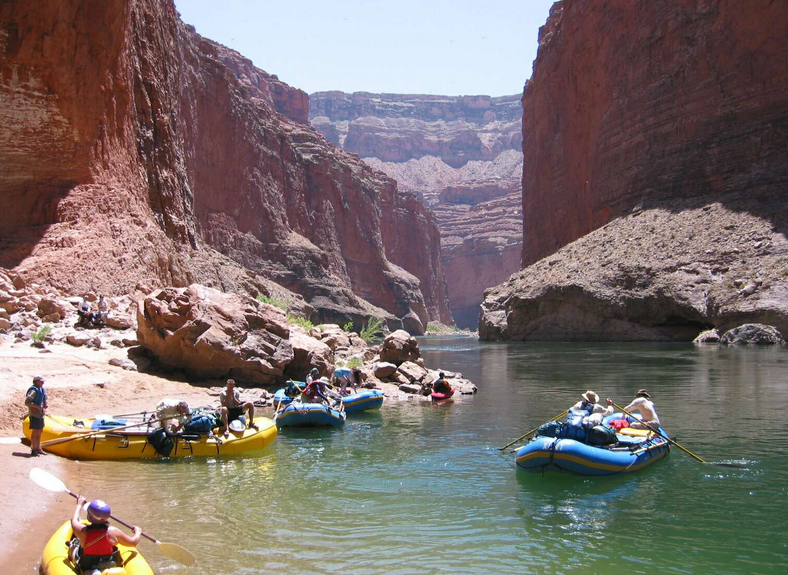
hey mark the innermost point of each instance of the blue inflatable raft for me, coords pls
(297, 414)
(634, 450)
(363, 400)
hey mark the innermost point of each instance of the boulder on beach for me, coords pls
(399, 347)
(212, 334)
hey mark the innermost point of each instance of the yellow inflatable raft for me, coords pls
(55, 560)
(133, 443)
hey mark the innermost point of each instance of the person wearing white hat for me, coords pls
(595, 411)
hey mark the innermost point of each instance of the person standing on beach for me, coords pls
(344, 377)
(36, 402)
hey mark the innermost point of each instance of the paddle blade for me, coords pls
(47, 480)
(173, 551)
(10, 440)
(728, 464)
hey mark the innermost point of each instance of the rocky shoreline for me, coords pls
(664, 271)
(107, 370)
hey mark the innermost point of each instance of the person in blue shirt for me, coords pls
(36, 402)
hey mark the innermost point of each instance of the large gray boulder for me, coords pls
(752, 334)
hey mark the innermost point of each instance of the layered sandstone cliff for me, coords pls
(457, 154)
(134, 150)
(662, 126)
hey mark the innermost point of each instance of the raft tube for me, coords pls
(133, 443)
(441, 396)
(55, 561)
(298, 414)
(636, 449)
(367, 399)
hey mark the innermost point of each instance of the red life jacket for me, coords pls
(97, 540)
(313, 389)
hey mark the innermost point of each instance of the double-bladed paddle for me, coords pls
(684, 449)
(51, 483)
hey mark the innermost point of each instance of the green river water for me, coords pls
(419, 488)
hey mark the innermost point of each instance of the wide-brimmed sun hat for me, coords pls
(590, 396)
(643, 393)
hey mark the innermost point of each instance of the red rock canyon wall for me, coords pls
(631, 101)
(461, 155)
(134, 150)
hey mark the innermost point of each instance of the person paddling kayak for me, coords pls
(98, 540)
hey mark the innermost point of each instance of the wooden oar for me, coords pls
(559, 416)
(51, 483)
(684, 449)
(81, 435)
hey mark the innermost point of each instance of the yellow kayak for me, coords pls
(133, 443)
(55, 561)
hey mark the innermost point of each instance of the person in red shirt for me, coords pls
(98, 540)
(316, 392)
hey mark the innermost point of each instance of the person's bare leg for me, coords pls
(225, 417)
(249, 409)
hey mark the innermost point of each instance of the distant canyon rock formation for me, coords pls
(654, 194)
(462, 156)
(133, 150)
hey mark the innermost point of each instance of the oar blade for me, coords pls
(733, 464)
(47, 480)
(173, 551)
(10, 440)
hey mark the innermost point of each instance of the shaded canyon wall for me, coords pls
(134, 150)
(655, 173)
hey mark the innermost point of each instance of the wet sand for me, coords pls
(79, 382)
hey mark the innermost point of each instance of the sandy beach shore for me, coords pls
(79, 382)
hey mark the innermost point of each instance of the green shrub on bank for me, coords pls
(348, 327)
(41, 334)
(300, 321)
(373, 330)
(276, 302)
(437, 328)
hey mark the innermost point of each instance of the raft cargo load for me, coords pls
(146, 441)
(363, 400)
(632, 450)
(298, 414)
(55, 559)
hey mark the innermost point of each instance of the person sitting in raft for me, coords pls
(168, 410)
(98, 540)
(312, 375)
(441, 385)
(648, 412)
(344, 377)
(316, 391)
(233, 408)
(594, 411)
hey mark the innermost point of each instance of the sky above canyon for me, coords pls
(447, 47)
